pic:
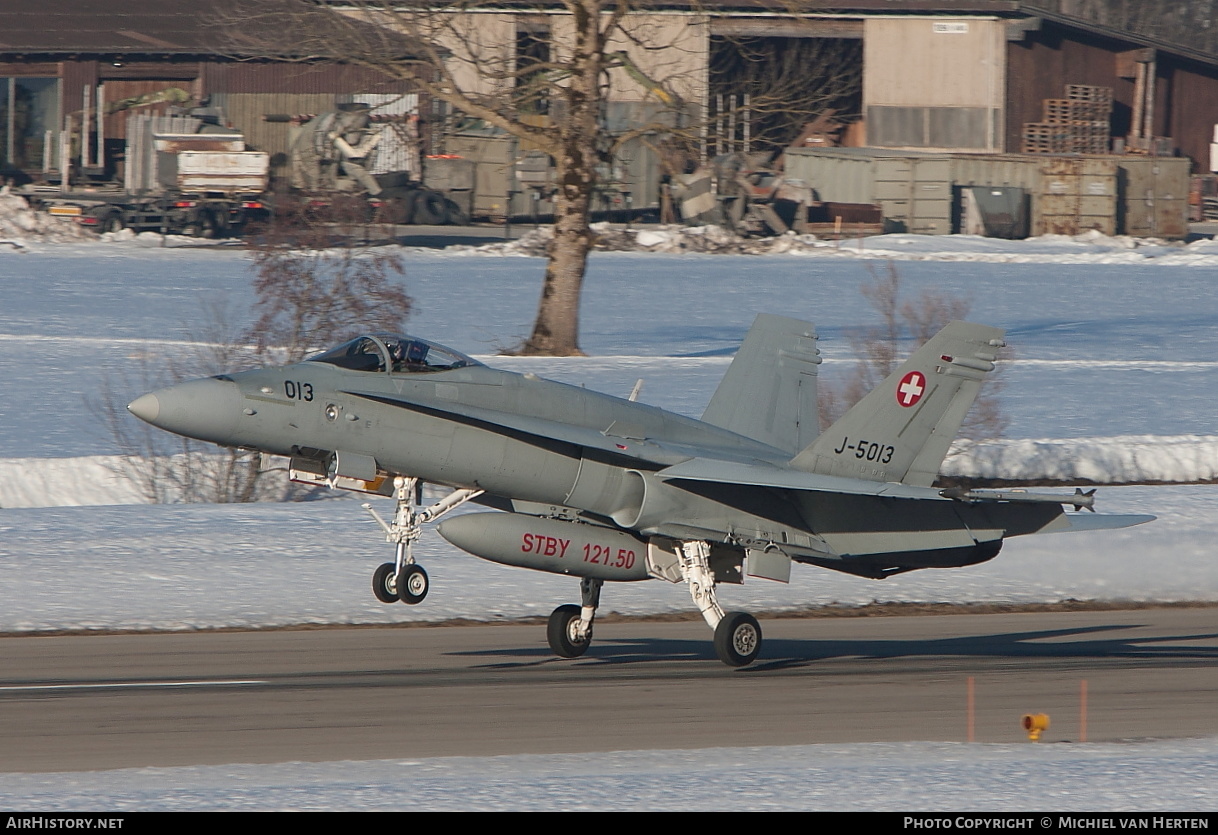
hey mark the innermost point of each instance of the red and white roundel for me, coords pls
(911, 388)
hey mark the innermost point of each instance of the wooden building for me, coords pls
(64, 62)
(933, 75)
(968, 75)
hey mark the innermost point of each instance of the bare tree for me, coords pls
(787, 81)
(544, 74)
(1186, 22)
(880, 348)
(316, 285)
(309, 294)
(165, 468)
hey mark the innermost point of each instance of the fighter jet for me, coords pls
(610, 489)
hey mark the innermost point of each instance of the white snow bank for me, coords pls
(66, 482)
(18, 223)
(1091, 247)
(1156, 776)
(115, 480)
(1131, 459)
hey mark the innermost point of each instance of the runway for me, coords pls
(94, 702)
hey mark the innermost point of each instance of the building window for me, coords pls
(29, 107)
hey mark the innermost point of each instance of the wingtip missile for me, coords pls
(1078, 499)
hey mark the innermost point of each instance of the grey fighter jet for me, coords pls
(605, 488)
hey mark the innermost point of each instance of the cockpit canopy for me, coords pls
(395, 353)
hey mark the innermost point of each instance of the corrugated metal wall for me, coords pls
(1134, 195)
(1191, 90)
(286, 77)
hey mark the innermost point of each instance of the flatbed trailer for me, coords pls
(206, 215)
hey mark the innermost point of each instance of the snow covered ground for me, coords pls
(1177, 776)
(1116, 348)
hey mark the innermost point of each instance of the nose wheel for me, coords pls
(412, 584)
(385, 583)
(408, 585)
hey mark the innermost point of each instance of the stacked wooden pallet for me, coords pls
(1077, 124)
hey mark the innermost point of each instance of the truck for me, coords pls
(185, 175)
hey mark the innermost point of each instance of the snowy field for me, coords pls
(1144, 777)
(1112, 341)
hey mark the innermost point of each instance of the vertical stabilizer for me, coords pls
(769, 391)
(902, 429)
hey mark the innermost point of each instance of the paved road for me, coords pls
(69, 703)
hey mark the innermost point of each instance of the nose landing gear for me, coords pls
(403, 579)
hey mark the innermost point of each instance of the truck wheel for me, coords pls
(206, 226)
(112, 222)
(431, 209)
(456, 215)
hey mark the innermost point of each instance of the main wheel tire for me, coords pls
(385, 583)
(431, 209)
(112, 222)
(560, 632)
(456, 216)
(209, 226)
(412, 584)
(738, 639)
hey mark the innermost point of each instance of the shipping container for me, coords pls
(1076, 194)
(1154, 195)
(1069, 194)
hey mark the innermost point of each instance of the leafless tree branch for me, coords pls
(905, 324)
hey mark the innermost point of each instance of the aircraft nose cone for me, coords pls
(206, 409)
(145, 407)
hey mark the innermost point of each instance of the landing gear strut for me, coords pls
(737, 634)
(404, 579)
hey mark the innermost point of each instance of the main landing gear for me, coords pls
(403, 579)
(737, 634)
(570, 628)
